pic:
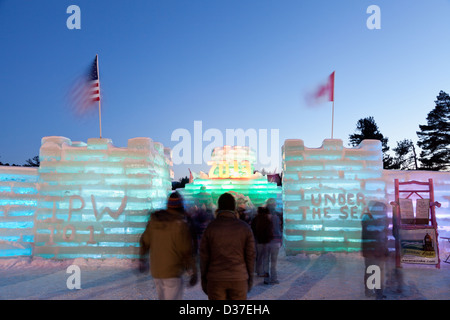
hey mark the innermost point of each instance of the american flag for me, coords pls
(94, 81)
(87, 90)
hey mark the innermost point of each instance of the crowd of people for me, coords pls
(225, 246)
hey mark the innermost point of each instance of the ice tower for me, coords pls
(327, 192)
(95, 198)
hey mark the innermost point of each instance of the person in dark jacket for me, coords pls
(374, 245)
(201, 218)
(275, 244)
(227, 254)
(169, 240)
(262, 228)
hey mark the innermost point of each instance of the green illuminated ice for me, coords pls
(232, 170)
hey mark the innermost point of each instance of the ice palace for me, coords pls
(88, 203)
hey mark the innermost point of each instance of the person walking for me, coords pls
(227, 254)
(273, 247)
(201, 218)
(263, 231)
(374, 226)
(168, 239)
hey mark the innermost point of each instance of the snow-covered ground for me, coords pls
(332, 276)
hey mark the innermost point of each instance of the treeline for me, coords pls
(433, 141)
(32, 162)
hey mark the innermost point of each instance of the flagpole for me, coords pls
(100, 117)
(332, 119)
(99, 104)
(332, 108)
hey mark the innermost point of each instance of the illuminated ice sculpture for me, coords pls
(231, 170)
(327, 191)
(89, 200)
(18, 203)
(95, 197)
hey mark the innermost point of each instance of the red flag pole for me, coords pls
(99, 99)
(332, 120)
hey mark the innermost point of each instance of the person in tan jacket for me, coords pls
(168, 239)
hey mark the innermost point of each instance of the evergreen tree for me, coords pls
(434, 137)
(406, 158)
(367, 128)
(181, 183)
(34, 162)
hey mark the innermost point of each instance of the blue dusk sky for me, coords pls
(229, 64)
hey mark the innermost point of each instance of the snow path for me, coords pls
(336, 276)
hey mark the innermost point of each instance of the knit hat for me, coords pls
(227, 202)
(175, 201)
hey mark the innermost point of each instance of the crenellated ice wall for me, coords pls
(328, 191)
(95, 197)
(18, 203)
(88, 200)
(92, 199)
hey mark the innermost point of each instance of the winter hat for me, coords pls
(227, 202)
(175, 201)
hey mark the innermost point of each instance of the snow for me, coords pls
(330, 276)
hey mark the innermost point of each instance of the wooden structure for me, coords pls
(403, 192)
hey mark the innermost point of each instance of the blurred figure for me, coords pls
(205, 199)
(189, 217)
(374, 244)
(227, 254)
(202, 217)
(396, 275)
(263, 231)
(168, 239)
(244, 209)
(271, 205)
(243, 214)
(274, 245)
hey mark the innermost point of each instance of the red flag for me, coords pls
(324, 92)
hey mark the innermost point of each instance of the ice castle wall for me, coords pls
(92, 199)
(88, 200)
(18, 203)
(327, 191)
